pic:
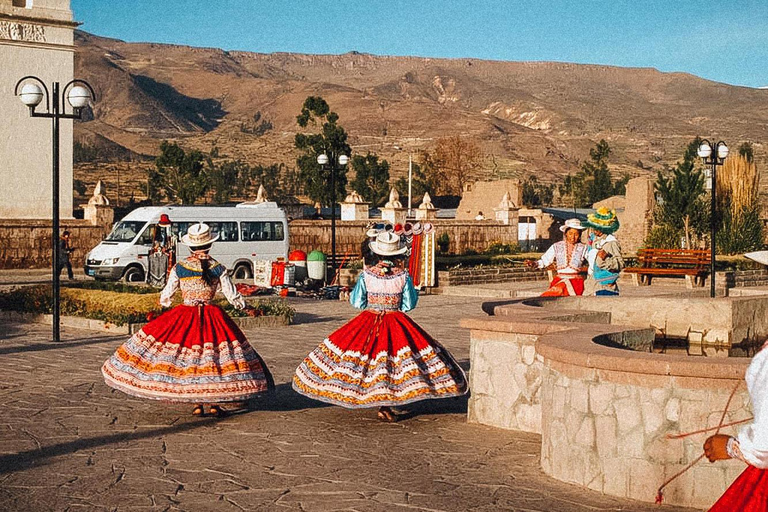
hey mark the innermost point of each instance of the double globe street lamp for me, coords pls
(31, 90)
(325, 160)
(713, 156)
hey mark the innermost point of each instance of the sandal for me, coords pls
(385, 415)
(198, 411)
(218, 411)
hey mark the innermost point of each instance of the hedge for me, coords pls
(116, 307)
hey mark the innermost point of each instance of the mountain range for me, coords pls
(537, 118)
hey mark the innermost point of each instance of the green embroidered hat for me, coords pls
(604, 220)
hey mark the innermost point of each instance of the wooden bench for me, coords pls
(693, 264)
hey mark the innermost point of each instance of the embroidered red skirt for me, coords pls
(565, 287)
(748, 493)
(379, 359)
(189, 354)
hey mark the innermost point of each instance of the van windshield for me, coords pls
(125, 231)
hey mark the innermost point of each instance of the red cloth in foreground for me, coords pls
(748, 493)
(559, 288)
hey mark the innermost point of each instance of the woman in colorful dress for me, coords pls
(604, 256)
(569, 256)
(193, 353)
(749, 492)
(381, 358)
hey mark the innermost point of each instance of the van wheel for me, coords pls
(134, 275)
(242, 271)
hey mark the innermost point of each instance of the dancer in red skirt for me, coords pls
(749, 492)
(193, 353)
(380, 358)
(569, 255)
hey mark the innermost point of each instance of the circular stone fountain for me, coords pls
(580, 371)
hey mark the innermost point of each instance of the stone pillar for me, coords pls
(426, 210)
(354, 207)
(507, 212)
(637, 217)
(98, 211)
(393, 211)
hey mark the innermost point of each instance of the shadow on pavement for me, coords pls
(284, 398)
(310, 318)
(37, 347)
(24, 460)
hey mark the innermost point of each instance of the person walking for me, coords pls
(65, 249)
(193, 353)
(604, 256)
(381, 358)
(569, 256)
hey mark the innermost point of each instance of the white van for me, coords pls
(247, 232)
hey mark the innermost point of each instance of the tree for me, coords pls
(371, 178)
(420, 182)
(456, 162)
(594, 181)
(740, 228)
(537, 194)
(682, 210)
(332, 140)
(224, 177)
(178, 174)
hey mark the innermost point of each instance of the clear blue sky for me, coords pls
(726, 41)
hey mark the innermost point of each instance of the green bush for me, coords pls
(443, 242)
(115, 307)
(497, 247)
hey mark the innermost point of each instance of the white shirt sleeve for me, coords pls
(548, 257)
(230, 292)
(170, 288)
(753, 439)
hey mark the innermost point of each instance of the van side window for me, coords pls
(147, 236)
(261, 231)
(227, 231)
(179, 229)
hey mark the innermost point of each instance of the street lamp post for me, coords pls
(324, 160)
(713, 156)
(78, 94)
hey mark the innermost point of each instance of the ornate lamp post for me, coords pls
(324, 160)
(714, 156)
(78, 94)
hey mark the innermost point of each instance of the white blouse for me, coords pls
(753, 439)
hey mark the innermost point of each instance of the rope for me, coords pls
(660, 492)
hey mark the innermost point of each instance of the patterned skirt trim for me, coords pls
(225, 370)
(379, 359)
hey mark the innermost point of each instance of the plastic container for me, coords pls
(316, 265)
(299, 260)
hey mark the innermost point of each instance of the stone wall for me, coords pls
(484, 196)
(27, 243)
(308, 235)
(481, 275)
(604, 413)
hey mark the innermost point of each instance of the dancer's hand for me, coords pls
(532, 264)
(715, 447)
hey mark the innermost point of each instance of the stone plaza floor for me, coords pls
(68, 442)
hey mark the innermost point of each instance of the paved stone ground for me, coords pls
(68, 442)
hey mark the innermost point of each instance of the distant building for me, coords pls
(484, 196)
(36, 38)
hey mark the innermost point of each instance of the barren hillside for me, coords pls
(529, 117)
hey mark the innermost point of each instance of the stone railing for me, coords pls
(603, 410)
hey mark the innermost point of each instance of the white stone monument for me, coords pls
(426, 210)
(507, 211)
(354, 207)
(98, 211)
(36, 38)
(393, 211)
